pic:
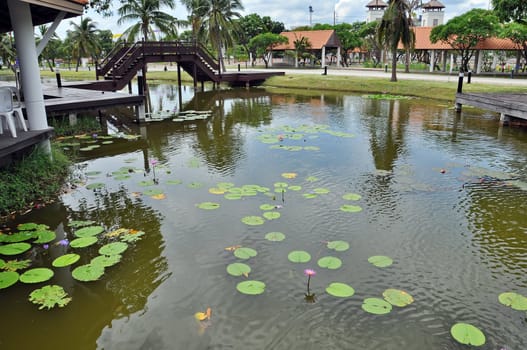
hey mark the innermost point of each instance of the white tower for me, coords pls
(375, 10)
(433, 14)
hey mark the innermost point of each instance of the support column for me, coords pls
(451, 62)
(480, 62)
(20, 15)
(494, 60)
(338, 56)
(323, 60)
(432, 60)
(443, 60)
(72, 118)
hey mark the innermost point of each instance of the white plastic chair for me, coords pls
(17, 107)
(8, 110)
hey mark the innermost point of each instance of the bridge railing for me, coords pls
(107, 62)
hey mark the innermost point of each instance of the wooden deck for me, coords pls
(10, 145)
(508, 105)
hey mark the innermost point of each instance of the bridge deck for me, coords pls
(513, 104)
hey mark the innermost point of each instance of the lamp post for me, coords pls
(310, 15)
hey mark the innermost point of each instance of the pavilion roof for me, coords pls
(377, 3)
(317, 39)
(435, 4)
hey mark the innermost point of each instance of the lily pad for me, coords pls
(195, 185)
(253, 220)
(49, 297)
(146, 183)
(153, 192)
(311, 179)
(310, 195)
(45, 236)
(27, 226)
(13, 265)
(267, 207)
(66, 260)
(351, 196)
(348, 208)
(245, 253)
(83, 242)
(514, 300)
(95, 186)
(294, 188)
(174, 182)
(233, 196)
(2, 263)
(18, 237)
(299, 256)
(37, 275)
(251, 287)
(238, 269)
(271, 215)
(380, 260)
(397, 297)
(338, 246)
(376, 306)
(89, 231)
(217, 190)
(275, 236)
(208, 205)
(106, 260)
(89, 272)
(8, 278)
(341, 290)
(121, 177)
(14, 248)
(330, 262)
(321, 190)
(467, 334)
(80, 223)
(132, 236)
(114, 248)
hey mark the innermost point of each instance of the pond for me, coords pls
(277, 183)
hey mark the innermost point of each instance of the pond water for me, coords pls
(442, 195)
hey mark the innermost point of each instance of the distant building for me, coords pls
(433, 14)
(375, 10)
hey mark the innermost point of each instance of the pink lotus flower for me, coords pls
(309, 272)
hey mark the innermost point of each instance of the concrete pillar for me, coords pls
(296, 59)
(432, 60)
(72, 118)
(443, 60)
(504, 119)
(323, 61)
(451, 62)
(338, 56)
(20, 15)
(480, 61)
(494, 60)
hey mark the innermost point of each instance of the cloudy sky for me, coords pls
(295, 13)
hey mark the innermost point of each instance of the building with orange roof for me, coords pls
(320, 41)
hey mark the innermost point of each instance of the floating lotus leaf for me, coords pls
(13, 265)
(217, 190)
(376, 306)
(113, 248)
(251, 287)
(122, 177)
(106, 260)
(153, 192)
(174, 182)
(95, 186)
(275, 236)
(253, 220)
(293, 148)
(311, 179)
(295, 137)
(208, 205)
(350, 208)
(66, 260)
(225, 185)
(295, 188)
(289, 175)
(159, 196)
(83, 242)
(299, 256)
(132, 236)
(321, 190)
(310, 195)
(49, 297)
(380, 260)
(2, 263)
(514, 300)
(280, 185)
(78, 223)
(45, 236)
(330, 262)
(37, 275)
(467, 334)
(271, 215)
(14, 248)
(339, 246)
(397, 297)
(18, 237)
(146, 183)
(27, 226)
(89, 272)
(89, 231)
(351, 196)
(195, 185)
(238, 269)
(267, 207)
(8, 278)
(341, 290)
(233, 196)
(92, 173)
(245, 253)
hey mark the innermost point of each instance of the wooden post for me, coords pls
(459, 106)
(195, 76)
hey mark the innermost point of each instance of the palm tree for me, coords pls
(395, 28)
(197, 10)
(49, 53)
(301, 44)
(147, 15)
(84, 38)
(7, 53)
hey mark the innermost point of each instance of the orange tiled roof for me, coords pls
(377, 3)
(317, 39)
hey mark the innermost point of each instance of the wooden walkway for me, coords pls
(508, 105)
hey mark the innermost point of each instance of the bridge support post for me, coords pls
(504, 119)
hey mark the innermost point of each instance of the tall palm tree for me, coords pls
(7, 53)
(395, 28)
(197, 10)
(147, 15)
(49, 53)
(84, 38)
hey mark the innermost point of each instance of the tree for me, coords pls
(517, 33)
(51, 51)
(302, 45)
(252, 25)
(263, 45)
(83, 38)
(197, 10)
(368, 32)
(511, 10)
(464, 32)
(147, 15)
(105, 39)
(7, 53)
(395, 28)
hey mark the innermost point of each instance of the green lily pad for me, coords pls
(251, 287)
(238, 269)
(311, 179)
(49, 297)
(121, 177)
(89, 272)
(280, 185)
(132, 237)
(330, 262)
(397, 297)
(106, 260)
(351, 196)
(146, 183)
(95, 186)
(8, 278)
(13, 265)
(89, 231)
(380, 260)
(83, 242)
(45, 236)
(174, 182)
(376, 306)
(275, 236)
(195, 185)
(208, 205)
(514, 300)
(114, 248)
(245, 253)
(271, 215)
(321, 190)
(295, 188)
(467, 334)
(66, 260)
(18, 237)
(299, 256)
(80, 223)
(37, 275)
(2, 263)
(267, 207)
(153, 192)
(225, 185)
(338, 246)
(348, 208)
(28, 226)
(341, 290)
(14, 248)
(253, 220)
(233, 196)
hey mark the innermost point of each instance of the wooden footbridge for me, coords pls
(124, 62)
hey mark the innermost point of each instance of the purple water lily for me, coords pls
(63, 242)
